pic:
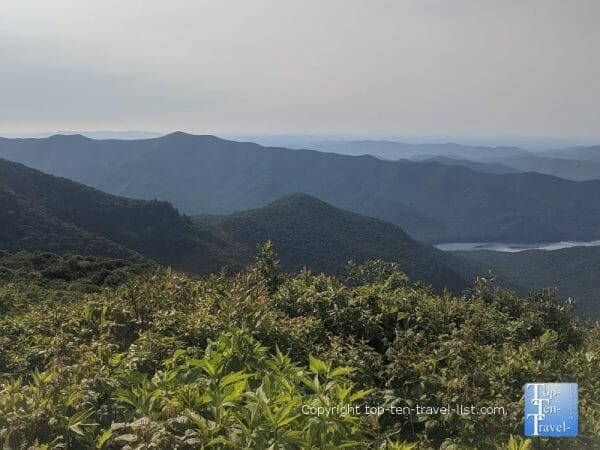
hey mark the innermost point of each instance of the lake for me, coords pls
(507, 247)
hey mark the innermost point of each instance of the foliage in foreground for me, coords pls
(165, 361)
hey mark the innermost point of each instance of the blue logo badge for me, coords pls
(551, 409)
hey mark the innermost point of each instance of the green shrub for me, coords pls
(167, 361)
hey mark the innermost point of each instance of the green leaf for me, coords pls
(341, 371)
(233, 378)
(360, 395)
(103, 439)
(316, 365)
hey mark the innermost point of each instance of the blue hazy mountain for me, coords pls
(484, 167)
(579, 153)
(393, 150)
(431, 201)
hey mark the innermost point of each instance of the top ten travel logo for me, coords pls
(551, 409)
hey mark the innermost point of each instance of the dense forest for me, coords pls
(68, 272)
(573, 272)
(161, 360)
(313, 234)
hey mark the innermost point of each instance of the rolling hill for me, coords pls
(574, 271)
(309, 232)
(40, 212)
(432, 202)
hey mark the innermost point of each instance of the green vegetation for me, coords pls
(164, 361)
(574, 272)
(66, 273)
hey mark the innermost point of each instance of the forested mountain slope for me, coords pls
(574, 271)
(309, 232)
(43, 212)
(40, 212)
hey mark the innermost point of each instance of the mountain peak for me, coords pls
(69, 137)
(177, 134)
(181, 138)
(186, 136)
(299, 199)
(309, 232)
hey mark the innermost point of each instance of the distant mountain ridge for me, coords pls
(432, 202)
(487, 167)
(40, 212)
(393, 150)
(579, 153)
(569, 169)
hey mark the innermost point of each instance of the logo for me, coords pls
(551, 409)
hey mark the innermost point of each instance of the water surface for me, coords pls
(508, 247)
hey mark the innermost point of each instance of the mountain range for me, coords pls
(579, 153)
(431, 201)
(576, 163)
(40, 212)
(573, 163)
(393, 150)
(484, 167)
(571, 169)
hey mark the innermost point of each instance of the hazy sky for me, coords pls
(359, 67)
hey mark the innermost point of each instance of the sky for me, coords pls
(339, 67)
